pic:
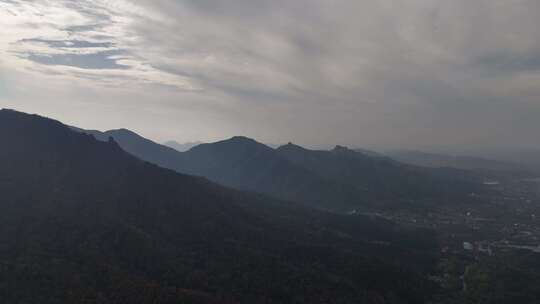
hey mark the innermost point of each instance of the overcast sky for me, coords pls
(364, 73)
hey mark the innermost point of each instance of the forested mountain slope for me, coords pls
(83, 221)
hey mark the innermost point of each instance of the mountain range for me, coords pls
(339, 180)
(182, 147)
(434, 160)
(84, 221)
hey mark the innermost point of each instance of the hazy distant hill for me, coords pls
(380, 176)
(371, 153)
(83, 221)
(245, 164)
(459, 162)
(141, 147)
(341, 179)
(528, 158)
(182, 147)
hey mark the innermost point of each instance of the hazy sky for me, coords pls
(402, 73)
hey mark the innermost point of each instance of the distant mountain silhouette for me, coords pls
(182, 147)
(370, 153)
(434, 160)
(141, 147)
(382, 177)
(83, 221)
(244, 164)
(340, 180)
(528, 158)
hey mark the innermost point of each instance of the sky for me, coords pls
(420, 74)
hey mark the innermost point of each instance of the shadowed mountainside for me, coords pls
(83, 221)
(340, 180)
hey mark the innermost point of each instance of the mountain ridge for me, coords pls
(436, 160)
(329, 183)
(84, 220)
(182, 147)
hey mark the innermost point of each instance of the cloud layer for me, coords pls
(418, 73)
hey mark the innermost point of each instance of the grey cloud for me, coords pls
(365, 73)
(97, 36)
(510, 62)
(71, 44)
(101, 60)
(83, 28)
